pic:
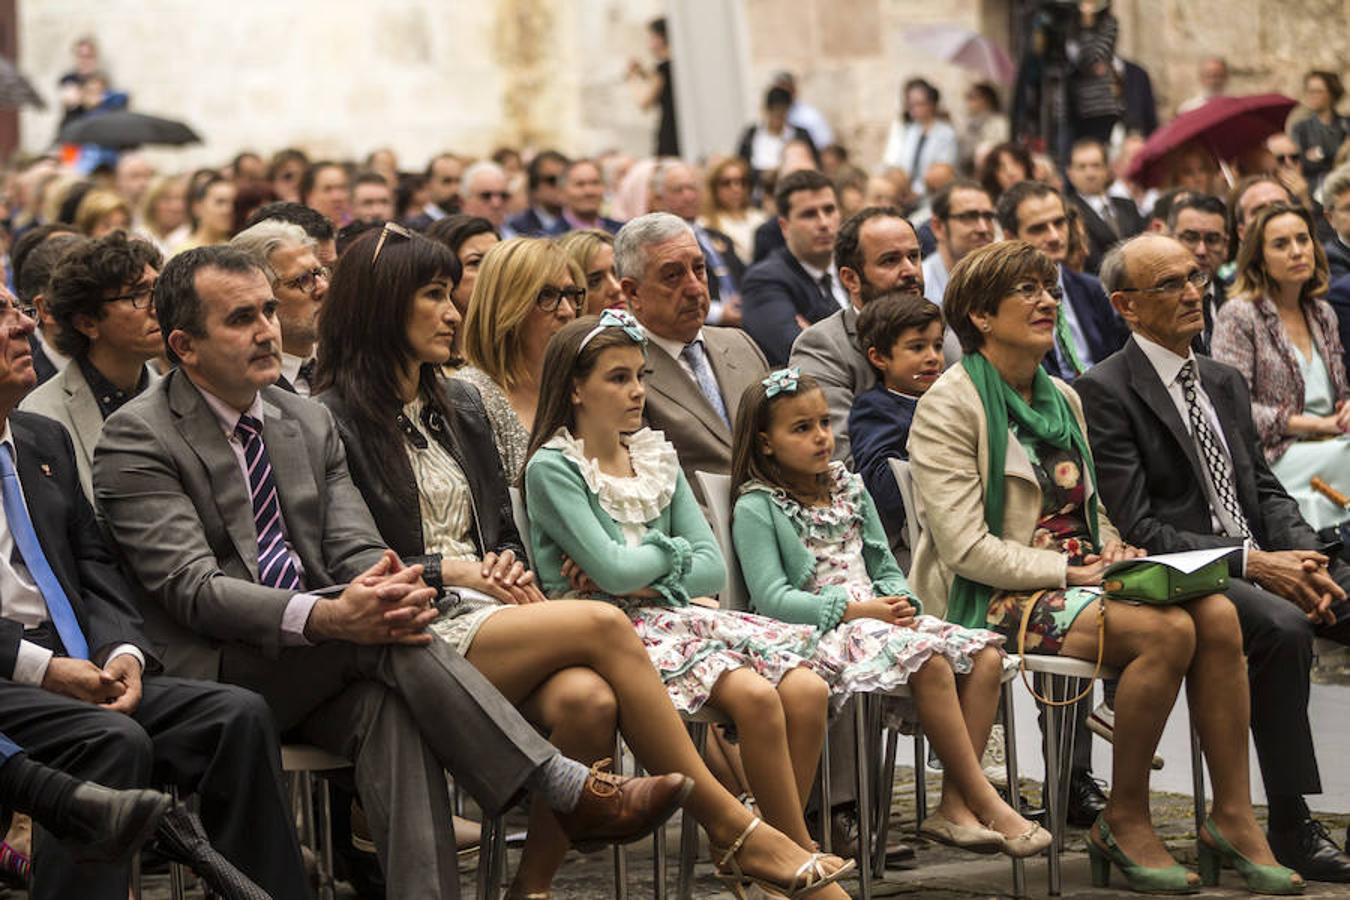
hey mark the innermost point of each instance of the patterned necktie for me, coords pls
(275, 566)
(1216, 460)
(697, 359)
(26, 540)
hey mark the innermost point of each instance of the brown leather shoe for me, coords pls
(618, 810)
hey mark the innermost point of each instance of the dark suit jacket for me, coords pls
(1141, 109)
(1103, 330)
(878, 429)
(1339, 298)
(1149, 470)
(70, 538)
(768, 238)
(1338, 257)
(745, 146)
(1211, 309)
(46, 369)
(394, 504)
(773, 294)
(528, 224)
(1101, 236)
(170, 490)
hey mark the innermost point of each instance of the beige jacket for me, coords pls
(948, 454)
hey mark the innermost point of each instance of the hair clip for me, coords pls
(616, 318)
(782, 381)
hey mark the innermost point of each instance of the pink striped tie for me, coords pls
(275, 566)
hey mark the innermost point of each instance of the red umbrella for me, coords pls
(1226, 126)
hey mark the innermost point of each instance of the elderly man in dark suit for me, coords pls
(698, 372)
(798, 284)
(83, 689)
(231, 503)
(1181, 468)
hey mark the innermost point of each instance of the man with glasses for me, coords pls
(100, 294)
(1200, 223)
(286, 255)
(544, 181)
(1180, 467)
(963, 220)
(483, 192)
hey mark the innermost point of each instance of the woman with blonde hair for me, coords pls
(593, 250)
(102, 212)
(163, 213)
(726, 205)
(527, 290)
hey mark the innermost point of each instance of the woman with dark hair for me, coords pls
(1003, 166)
(284, 173)
(1284, 338)
(919, 138)
(415, 446)
(1321, 135)
(248, 198)
(469, 238)
(211, 211)
(986, 125)
(1021, 547)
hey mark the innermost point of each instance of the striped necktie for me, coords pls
(275, 566)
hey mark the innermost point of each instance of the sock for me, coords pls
(36, 790)
(1287, 812)
(561, 781)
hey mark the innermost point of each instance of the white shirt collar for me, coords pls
(290, 366)
(1166, 363)
(673, 347)
(816, 273)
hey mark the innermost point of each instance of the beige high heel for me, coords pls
(810, 875)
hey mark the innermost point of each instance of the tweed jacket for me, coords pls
(948, 454)
(1248, 335)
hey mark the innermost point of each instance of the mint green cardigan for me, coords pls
(777, 566)
(678, 558)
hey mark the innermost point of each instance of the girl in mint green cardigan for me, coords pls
(813, 552)
(611, 516)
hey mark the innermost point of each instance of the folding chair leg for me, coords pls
(326, 890)
(1051, 791)
(689, 828)
(1198, 780)
(826, 801)
(920, 780)
(620, 857)
(177, 878)
(1014, 784)
(864, 798)
(885, 790)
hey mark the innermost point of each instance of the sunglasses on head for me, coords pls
(397, 231)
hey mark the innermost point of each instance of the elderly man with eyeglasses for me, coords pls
(100, 294)
(286, 254)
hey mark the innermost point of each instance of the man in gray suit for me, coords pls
(101, 296)
(877, 251)
(698, 372)
(231, 503)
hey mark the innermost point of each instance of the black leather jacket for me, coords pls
(467, 437)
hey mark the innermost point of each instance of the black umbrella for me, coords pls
(15, 91)
(126, 129)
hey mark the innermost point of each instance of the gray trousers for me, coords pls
(403, 715)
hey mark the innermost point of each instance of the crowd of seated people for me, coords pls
(262, 426)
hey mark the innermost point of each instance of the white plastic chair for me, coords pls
(717, 495)
(900, 469)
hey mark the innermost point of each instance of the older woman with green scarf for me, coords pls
(1015, 540)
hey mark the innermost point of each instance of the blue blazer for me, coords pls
(768, 238)
(1103, 330)
(773, 294)
(878, 431)
(1339, 298)
(528, 224)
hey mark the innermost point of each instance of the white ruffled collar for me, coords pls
(635, 499)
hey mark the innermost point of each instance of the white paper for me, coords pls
(1185, 562)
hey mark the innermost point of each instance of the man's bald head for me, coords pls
(1157, 288)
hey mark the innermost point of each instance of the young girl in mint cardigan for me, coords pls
(813, 552)
(612, 517)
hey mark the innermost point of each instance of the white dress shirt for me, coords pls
(58, 359)
(22, 602)
(837, 289)
(290, 370)
(296, 615)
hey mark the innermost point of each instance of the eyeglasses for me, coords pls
(971, 216)
(1197, 279)
(11, 308)
(308, 281)
(1030, 291)
(1286, 159)
(141, 297)
(550, 297)
(737, 181)
(489, 196)
(550, 180)
(1214, 240)
(397, 231)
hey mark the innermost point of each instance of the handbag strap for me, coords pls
(1027, 607)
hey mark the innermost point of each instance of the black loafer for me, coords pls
(105, 825)
(1311, 852)
(1086, 800)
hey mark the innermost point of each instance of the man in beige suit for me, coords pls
(100, 295)
(698, 372)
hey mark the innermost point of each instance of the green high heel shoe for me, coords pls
(1173, 879)
(1259, 879)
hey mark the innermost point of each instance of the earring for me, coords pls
(984, 327)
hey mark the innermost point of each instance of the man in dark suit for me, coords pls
(231, 503)
(1088, 328)
(33, 259)
(1200, 223)
(797, 284)
(84, 694)
(583, 197)
(1108, 219)
(544, 183)
(1339, 298)
(1181, 468)
(698, 372)
(444, 173)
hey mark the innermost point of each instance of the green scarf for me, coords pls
(1048, 418)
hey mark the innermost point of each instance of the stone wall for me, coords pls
(342, 77)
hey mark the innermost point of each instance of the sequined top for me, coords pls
(443, 496)
(510, 435)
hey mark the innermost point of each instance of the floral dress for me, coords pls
(865, 655)
(690, 646)
(1063, 527)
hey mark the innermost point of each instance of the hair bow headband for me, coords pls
(782, 381)
(616, 318)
